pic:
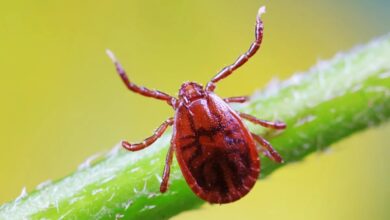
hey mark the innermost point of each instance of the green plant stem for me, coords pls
(332, 100)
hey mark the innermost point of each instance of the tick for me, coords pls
(217, 154)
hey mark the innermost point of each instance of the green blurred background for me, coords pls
(61, 100)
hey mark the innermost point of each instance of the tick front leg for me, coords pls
(139, 89)
(268, 124)
(241, 60)
(239, 99)
(167, 169)
(150, 140)
(267, 149)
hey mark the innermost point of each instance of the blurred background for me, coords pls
(61, 100)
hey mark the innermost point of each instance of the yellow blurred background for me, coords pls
(61, 100)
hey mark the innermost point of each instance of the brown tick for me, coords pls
(216, 152)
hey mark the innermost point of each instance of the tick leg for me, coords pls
(139, 89)
(150, 140)
(167, 169)
(268, 124)
(267, 149)
(239, 99)
(226, 71)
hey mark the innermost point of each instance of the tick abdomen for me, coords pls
(216, 152)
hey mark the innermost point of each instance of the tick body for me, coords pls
(217, 154)
(215, 150)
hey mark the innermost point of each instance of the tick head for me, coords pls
(190, 91)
